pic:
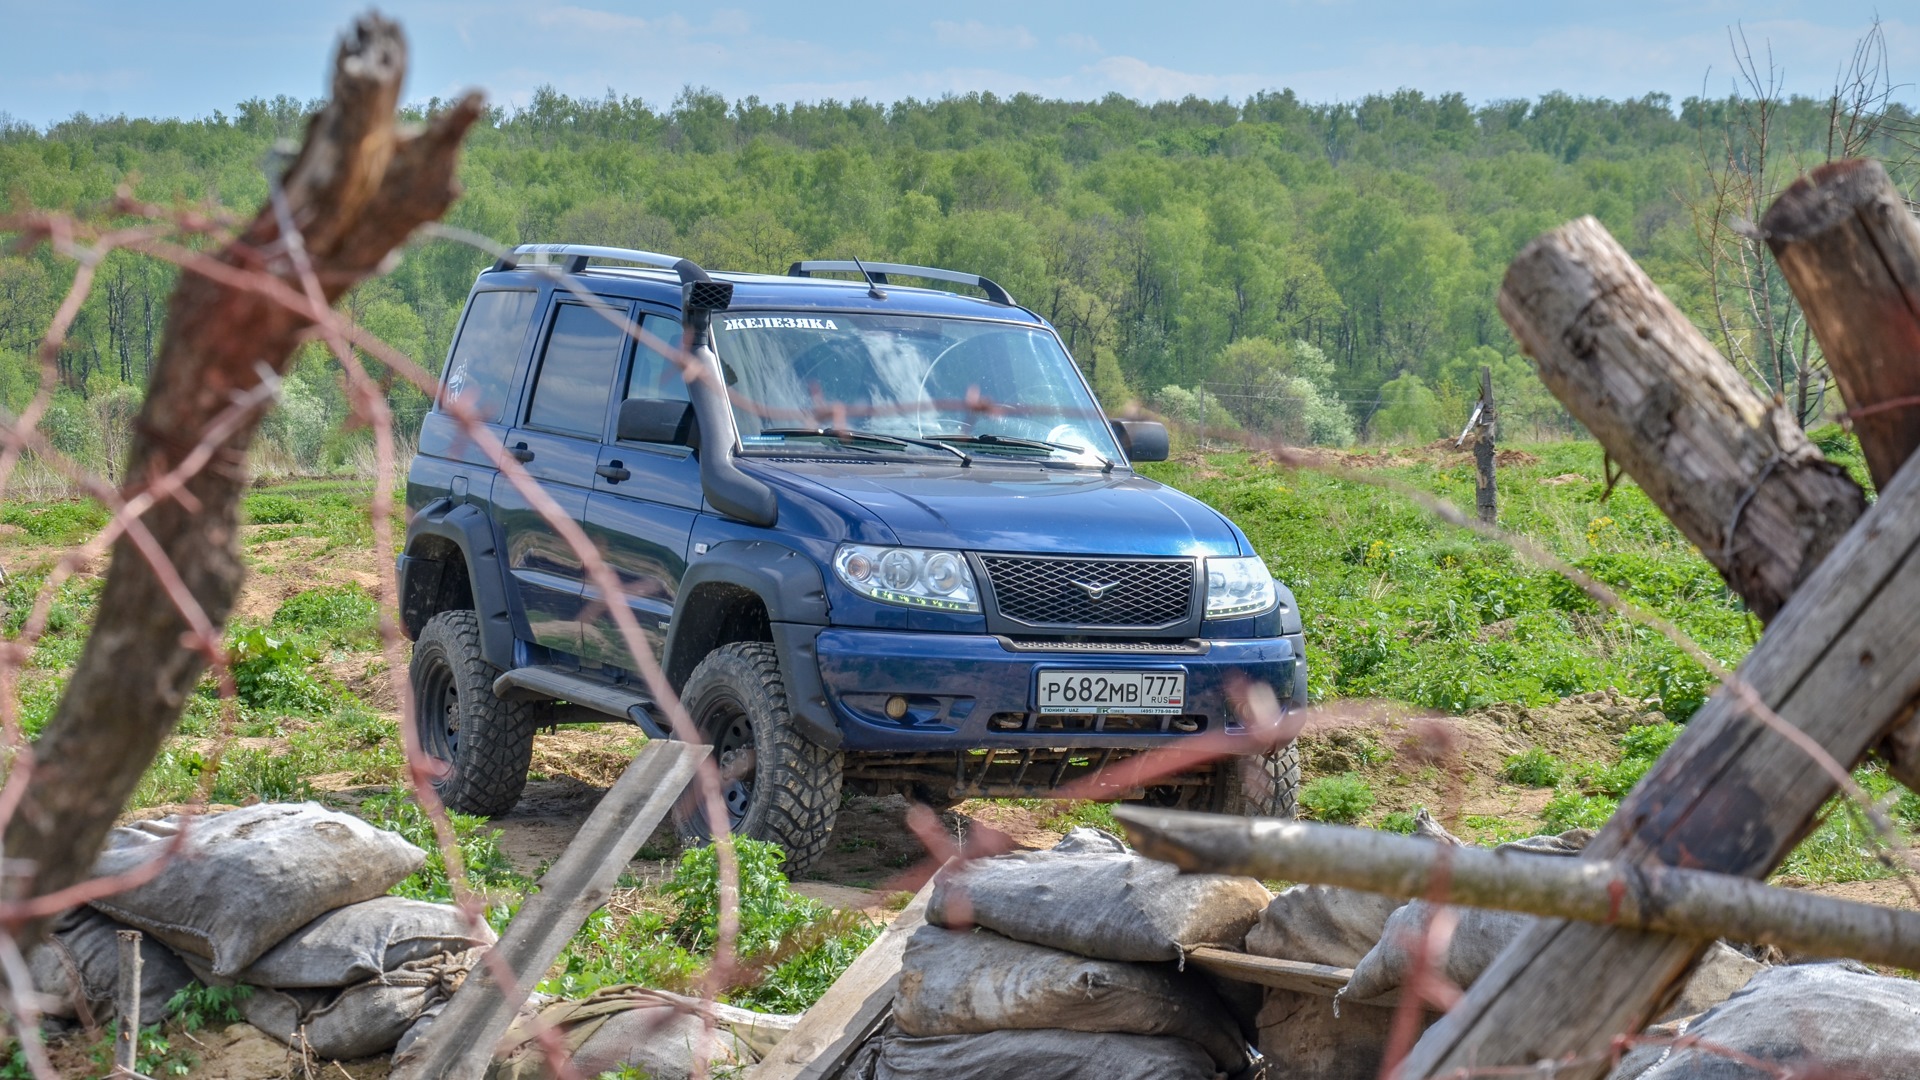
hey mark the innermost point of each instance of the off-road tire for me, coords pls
(1259, 785)
(793, 794)
(486, 743)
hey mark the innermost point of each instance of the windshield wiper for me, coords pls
(1029, 444)
(872, 436)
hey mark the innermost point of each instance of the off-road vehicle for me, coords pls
(890, 544)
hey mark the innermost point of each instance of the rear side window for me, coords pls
(576, 373)
(654, 375)
(481, 370)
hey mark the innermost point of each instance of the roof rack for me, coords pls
(877, 273)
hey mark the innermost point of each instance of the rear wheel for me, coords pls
(484, 743)
(777, 784)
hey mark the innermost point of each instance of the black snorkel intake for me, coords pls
(731, 491)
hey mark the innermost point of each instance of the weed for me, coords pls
(1843, 848)
(337, 615)
(486, 864)
(1534, 768)
(195, 1006)
(1340, 799)
(271, 673)
(1649, 741)
(1076, 813)
(1399, 821)
(258, 776)
(270, 509)
(62, 523)
(1573, 810)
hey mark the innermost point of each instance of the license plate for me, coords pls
(1101, 692)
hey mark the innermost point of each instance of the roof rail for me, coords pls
(575, 256)
(878, 273)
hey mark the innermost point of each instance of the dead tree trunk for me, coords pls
(357, 190)
(1850, 251)
(1732, 471)
(1838, 664)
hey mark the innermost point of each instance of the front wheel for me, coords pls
(1255, 785)
(484, 744)
(778, 785)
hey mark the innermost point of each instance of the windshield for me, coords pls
(982, 387)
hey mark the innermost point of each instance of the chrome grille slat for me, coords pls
(1090, 592)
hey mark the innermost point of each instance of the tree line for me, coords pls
(1320, 272)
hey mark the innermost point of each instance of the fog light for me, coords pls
(1186, 725)
(896, 706)
(1008, 722)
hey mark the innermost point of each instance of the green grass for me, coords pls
(1341, 799)
(1534, 768)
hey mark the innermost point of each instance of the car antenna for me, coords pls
(873, 287)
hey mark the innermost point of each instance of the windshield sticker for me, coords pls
(774, 323)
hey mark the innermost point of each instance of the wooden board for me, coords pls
(460, 1044)
(852, 1008)
(1322, 979)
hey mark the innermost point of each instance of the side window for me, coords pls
(655, 375)
(576, 373)
(481, 369)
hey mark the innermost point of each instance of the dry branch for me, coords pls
(1688, 903)
(1732, 470)
(1841, 663)
(357, 189)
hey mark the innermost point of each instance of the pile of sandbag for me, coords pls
(285, 898)
(1377, 937)
(652, 1032)
(1068, 962)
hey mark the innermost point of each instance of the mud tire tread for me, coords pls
(496, 737)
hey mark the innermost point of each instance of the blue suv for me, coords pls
(890, 545)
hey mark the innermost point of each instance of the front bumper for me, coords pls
(969, 691)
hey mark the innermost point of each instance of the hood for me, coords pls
(1019, 507)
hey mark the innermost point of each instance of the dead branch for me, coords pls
(357, 189)
(1688, 903)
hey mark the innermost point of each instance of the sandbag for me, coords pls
(80, 961)
(1314, 1040)
(1098, 902)
(1833, 1020)
(626, 1027)
(247, 878)
(1479, 935)
(1056, 1055)
(1321, 924)
(960, 982)
(360, 941)
(361, 1020)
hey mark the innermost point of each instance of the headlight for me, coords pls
(910, 577)
(1238, 587)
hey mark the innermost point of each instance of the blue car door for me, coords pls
(557, 438)
(641, 512)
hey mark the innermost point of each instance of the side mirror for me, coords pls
(658, 420)
(1142, 440)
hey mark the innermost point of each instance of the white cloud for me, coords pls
(974, 34)
(1136, 78)
(1080, 43)
(590, 20)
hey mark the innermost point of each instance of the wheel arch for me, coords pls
(451, 562)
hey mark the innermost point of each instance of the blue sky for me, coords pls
(190, 57)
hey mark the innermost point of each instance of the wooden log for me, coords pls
(462, 1040)
(1485, 497)
(1850, 251)
(852, 1009)
(1324, 980)
(1732, 470)
(1642, 896)
(1841, 663)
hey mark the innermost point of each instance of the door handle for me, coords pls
(613, 472)
(520, 453)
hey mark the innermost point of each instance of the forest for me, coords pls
(1318, 273)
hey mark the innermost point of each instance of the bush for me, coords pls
(1338, 799)
(1534, 768)
(273, 510)
(487, 866)
(1397, 822)
(57, 523)
(1649, 741)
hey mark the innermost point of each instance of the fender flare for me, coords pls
(468, 529)
(790, 586)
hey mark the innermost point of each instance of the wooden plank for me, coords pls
(852, 1008)
(459, 1045)
(1732, 470)
(1688, 903)
(1841, 662)
(1850, 251)
(1322, 979)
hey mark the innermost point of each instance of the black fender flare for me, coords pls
(791, 588)
(469, 530)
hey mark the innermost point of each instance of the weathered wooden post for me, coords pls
(1483, 489)
(126, 1002)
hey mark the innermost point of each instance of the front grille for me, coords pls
(1103, 593)
(1185, 647)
